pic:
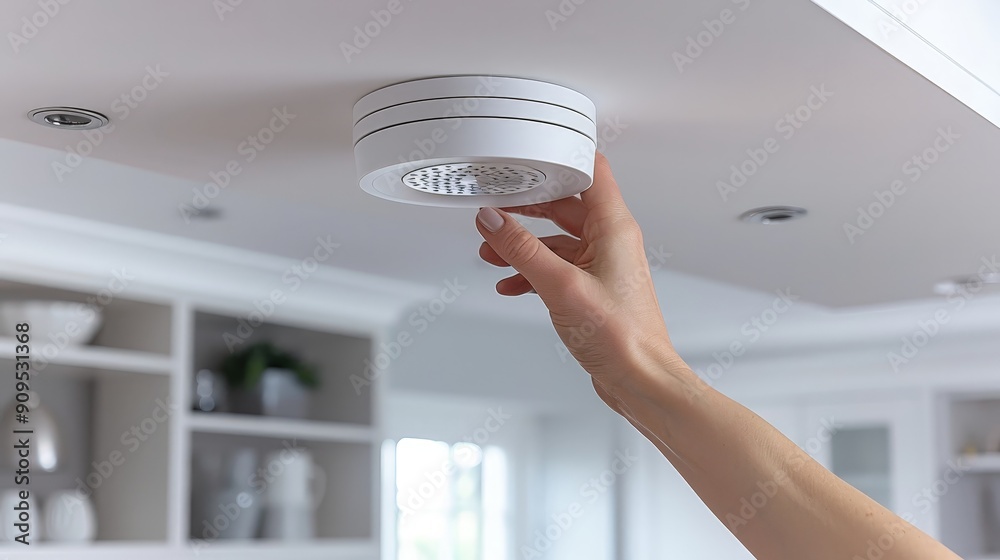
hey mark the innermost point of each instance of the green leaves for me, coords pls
(245, 368)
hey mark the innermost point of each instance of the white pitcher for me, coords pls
(295, 489)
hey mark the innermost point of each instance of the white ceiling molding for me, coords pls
(953, 44)
(38, 246)
(277, 107)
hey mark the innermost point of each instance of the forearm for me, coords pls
(598, 288)
(731, 457)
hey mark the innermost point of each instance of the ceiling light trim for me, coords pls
(50, 116)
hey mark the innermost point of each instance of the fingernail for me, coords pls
(490, 219)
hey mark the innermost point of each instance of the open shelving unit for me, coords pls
(95, 357)
(337, 432)
(970, 503)
(97, 394)
(981, 463)
(137, 374)
(243, 424)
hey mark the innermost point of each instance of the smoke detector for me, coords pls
(472, 141)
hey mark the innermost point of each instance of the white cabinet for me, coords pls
(131, 442)
(967, 488)
(878, 443)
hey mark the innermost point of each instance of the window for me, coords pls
(450, 501)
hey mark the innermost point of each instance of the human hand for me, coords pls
(595, 281)
(598, 289)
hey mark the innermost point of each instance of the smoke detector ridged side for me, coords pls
(471, 141)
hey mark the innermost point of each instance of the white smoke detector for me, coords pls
(471, 141)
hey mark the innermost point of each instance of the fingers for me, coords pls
(544, 269)
(563, 245)
(567, 213)
(604, 191)
(516, 285)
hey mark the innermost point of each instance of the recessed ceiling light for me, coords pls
(973, 283)
(207, 214)
(68, 118)
(769, 215)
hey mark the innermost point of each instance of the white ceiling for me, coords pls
(683, 131)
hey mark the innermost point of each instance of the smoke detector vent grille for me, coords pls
(471, 179)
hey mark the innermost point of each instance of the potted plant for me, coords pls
(267, 380)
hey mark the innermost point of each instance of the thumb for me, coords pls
(522, 250)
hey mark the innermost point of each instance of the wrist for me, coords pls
(658, 380)
(654, 363)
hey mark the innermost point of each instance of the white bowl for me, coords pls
(64, 323)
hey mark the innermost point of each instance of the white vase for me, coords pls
(282, 394)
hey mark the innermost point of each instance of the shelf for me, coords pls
(245, 550)
(80, 551)
(267, 548)
(275, 427)
(982, 463)
(95, 357)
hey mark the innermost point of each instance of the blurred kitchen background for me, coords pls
(237, 353)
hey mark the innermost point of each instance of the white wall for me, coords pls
(467, 354)
(552, 459)
(663, 518)
(579, 487)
